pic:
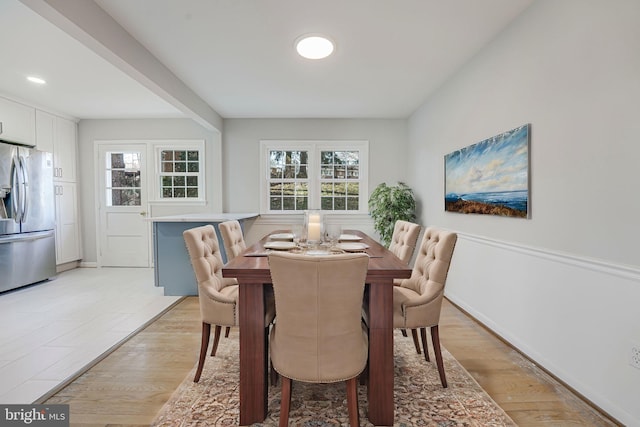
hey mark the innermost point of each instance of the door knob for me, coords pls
(143, 213)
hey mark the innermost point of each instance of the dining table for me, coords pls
(251, 269)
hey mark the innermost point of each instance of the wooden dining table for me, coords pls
(251, 269)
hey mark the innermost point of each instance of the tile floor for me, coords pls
(52, 330)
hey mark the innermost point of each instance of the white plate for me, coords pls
(349, 237)
(356, 246)
(282, 236)
(279, 245)
(317, 252)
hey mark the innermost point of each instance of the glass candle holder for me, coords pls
(314, 226)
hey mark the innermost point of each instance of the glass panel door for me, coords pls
(124, 233)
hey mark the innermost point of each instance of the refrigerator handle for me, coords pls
(15, 190)
(25, 188)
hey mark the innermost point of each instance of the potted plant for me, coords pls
(388, 204)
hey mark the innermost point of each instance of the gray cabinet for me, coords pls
(172, 266)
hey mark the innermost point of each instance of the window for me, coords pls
(180, 173)
(340, 180)
(326, 175)
(122, 171)
(288, 180)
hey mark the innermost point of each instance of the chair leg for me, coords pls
(216, 340)
(414, 334)
(352, 402)
(226, 332)
(206, 331)
(423, 337)
(404, 332)
(435, 338)
(285, 402)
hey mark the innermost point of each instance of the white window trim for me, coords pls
(199, 146)
(314, 147)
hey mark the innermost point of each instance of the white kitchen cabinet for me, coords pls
(17, 122)
(58, 136)
(64, 150)
(45, 131)
(67, 224)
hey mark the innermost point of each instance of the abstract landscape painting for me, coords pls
(490, 177)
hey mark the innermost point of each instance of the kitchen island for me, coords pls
(172, 267)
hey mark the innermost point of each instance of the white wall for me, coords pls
(241, 148)
(564, 285)
(90, 131)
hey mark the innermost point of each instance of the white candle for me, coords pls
(314, 231)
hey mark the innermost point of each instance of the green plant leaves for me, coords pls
(388, 204)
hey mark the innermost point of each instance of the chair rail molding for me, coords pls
(549, 305)
(595, 264)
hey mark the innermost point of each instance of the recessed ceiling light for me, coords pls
(314, 46)
(37, 80)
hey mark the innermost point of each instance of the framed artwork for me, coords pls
(490, 177)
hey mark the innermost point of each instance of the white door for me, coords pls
(123, 231)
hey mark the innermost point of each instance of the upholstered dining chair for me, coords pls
(218, 296)
(418, 300)
(403, 244)
(404, 239)
(318, 336)
(233, 238)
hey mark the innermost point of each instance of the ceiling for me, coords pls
(236, 59)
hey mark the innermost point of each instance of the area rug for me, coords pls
(420, 399)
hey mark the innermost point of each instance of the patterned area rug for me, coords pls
(420, 399)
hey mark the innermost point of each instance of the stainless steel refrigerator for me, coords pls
(27, 216)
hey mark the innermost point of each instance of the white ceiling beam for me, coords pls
(85, 21)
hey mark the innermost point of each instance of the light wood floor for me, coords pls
(525, 392)
(130, 386)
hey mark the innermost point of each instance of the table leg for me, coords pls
(380, 389)
(253, 354)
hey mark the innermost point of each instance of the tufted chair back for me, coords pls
(404, 239)
(218, 296)
(318, 335)
(217, 303)
(418, 300)
(233, 238)
(428, 277)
